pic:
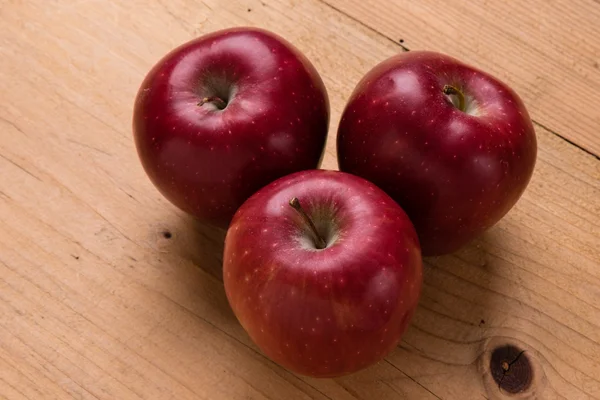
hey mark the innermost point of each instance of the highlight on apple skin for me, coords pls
(225, 114)
(324, 271)
(453, 145)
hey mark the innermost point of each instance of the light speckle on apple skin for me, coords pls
(494, 151)
(312, 303)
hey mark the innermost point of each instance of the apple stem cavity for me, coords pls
(320, 242)
(450, 90)
(217, 101)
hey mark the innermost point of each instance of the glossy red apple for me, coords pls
(453, 145)
(225, 114)
(322, 310)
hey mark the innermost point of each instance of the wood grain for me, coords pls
(97, 303)
(548, 51)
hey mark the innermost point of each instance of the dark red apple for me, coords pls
(454, 146)
(225, 114)
(331, 308)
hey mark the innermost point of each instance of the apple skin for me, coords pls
(330, 312)
(455, 173)
(208, 160)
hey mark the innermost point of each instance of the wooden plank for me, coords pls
(95, 301)
(548, 51)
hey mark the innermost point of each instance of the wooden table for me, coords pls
(109, 292)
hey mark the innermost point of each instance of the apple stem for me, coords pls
(320, 243)
(217, 101)
(453, 91)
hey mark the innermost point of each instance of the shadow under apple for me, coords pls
(192, 254)
(200, 244)
(455, 318)
(441, 350)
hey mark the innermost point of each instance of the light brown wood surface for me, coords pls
(95, 301)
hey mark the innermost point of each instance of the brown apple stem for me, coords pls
(217, 101)
(320, 242)
(453, 91)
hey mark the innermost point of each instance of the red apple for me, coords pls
(454, 146)
(331, 309)
(223, 115)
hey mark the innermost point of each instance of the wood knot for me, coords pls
(511, 369)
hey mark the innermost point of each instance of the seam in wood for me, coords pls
(412, 379)
(20, 167)
(15, 126)
(597, 157)
(87, 146)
